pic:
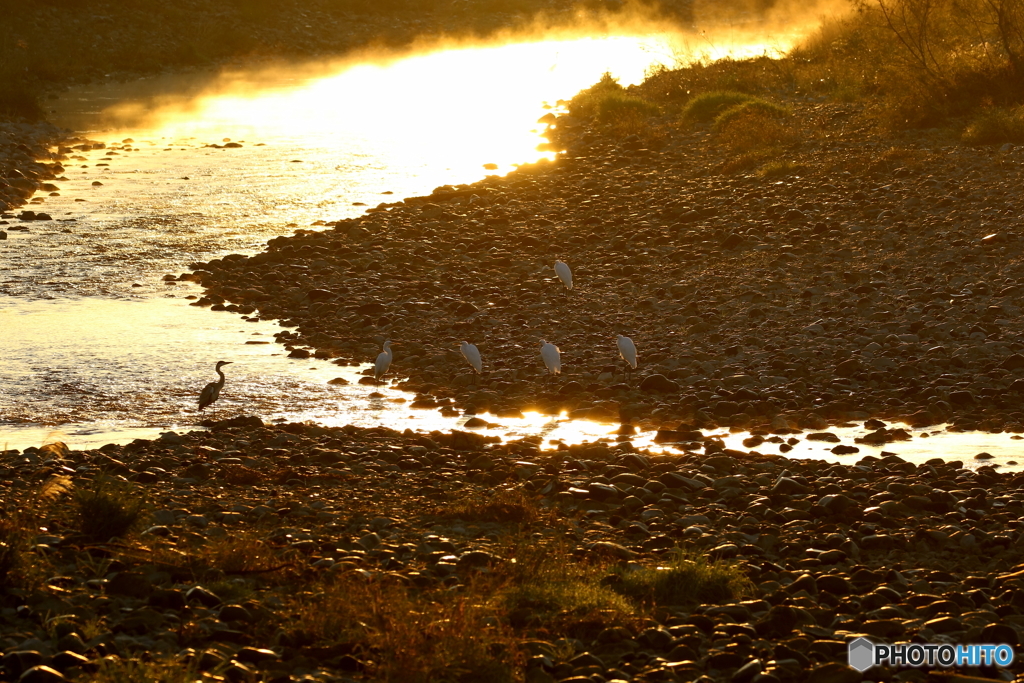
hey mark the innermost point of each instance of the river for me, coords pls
(99, 348)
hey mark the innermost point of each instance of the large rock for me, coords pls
(658, 384)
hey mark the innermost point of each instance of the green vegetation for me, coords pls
(415, 627)
(908, 63)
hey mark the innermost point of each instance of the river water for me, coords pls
(98, 348)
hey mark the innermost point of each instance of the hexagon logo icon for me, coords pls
(861, 654)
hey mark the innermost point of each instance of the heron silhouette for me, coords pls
(211, 392)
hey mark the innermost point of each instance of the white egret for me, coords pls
(627, 352)
(383, 362)
(211, 392)
(552, 357)
(564, 274)
(472, 355)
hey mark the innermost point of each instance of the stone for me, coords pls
(203, 596)
(658, 384)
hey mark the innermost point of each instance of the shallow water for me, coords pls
(99, 349)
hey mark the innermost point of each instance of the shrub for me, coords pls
(107, 511)
(994, 126)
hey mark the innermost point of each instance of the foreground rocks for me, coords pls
(240, 522)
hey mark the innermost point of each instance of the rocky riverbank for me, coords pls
(300, 553)
(882, 277)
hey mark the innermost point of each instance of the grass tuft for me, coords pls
(612, 105)
(753, 108)
(686, 581)
(548, 588)
(107, 511)
(505, 505)
(779, 168)
(706, 106)
(756, 131)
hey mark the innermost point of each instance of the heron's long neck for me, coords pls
(222, 377)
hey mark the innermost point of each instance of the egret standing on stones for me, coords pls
(383, 362)
(472, 354)
(627, 352)
(552, 357)
(564, 274)
(211, 392)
